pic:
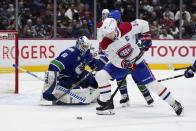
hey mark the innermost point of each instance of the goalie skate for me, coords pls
(45, 102)
(178, 108)
(124, 100)
(107, 109)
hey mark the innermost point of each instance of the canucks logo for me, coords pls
(78, 58)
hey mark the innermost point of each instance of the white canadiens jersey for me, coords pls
(124, 48)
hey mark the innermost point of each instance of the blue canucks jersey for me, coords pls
(70, 62)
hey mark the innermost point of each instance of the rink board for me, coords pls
(36, 54)
(44, 68)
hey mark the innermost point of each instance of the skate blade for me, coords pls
(150, 105)
(106, 112)
(124, 105)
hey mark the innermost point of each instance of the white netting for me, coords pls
(7, 59)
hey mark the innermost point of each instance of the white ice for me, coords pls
(21, 112)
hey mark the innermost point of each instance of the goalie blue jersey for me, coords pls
(71, 62)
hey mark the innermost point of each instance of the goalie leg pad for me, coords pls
(75, 96)
(51, 80)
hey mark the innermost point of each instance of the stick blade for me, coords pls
(171, 67)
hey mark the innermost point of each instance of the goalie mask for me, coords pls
(82, 44)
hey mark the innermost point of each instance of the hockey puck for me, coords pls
(79, 117)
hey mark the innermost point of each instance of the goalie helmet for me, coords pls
(82, 44)
(109, 25)
(114, 14)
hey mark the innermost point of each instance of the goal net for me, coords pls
(8, 57)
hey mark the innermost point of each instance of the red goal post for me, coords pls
(9, 55)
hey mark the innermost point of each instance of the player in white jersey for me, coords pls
(119, 47)
(105, 13)
(123, 89)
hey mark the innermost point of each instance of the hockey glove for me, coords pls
(146, 40)
(189, 72)
(126, 64)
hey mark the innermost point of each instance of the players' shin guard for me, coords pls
(145, 92)
(102, 77)
(165, 94)
(124, 94)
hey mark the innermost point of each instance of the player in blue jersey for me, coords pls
(145, 92)
(67, 69)
(190, 71)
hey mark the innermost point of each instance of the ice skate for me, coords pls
(149, 100)
(124, 100)
(107, 109)
(178, 108)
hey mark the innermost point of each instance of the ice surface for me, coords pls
(22, 113)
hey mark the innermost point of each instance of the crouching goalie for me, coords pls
(66, 70)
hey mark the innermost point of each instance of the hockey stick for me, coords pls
(169, 78)
(76, 84)
(173, 77)
(107, 103)
(30, 73)
(87, 99)
(175, 69)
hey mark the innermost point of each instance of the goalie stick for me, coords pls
(107, 103)
(175, 69)
(85, 100)
(76, 84)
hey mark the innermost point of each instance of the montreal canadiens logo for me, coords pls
(125, 51)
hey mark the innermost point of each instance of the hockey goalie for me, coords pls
(65, 71)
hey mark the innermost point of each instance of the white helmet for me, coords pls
(109, 25)
(105, 11)
(83, 44)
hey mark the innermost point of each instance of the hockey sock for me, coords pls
(145, 92)
(123, 87)
(105, 92)
(102, 78)
(161, 91)
(165, 94)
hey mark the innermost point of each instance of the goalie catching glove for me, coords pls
(127, 64)
(146, 40)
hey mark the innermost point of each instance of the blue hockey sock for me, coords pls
(123, 87)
